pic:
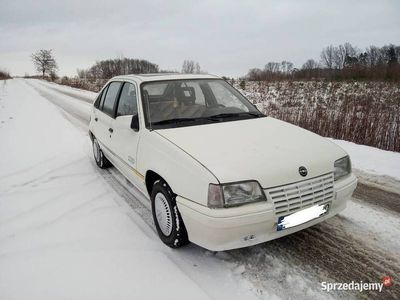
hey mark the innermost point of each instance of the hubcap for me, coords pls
(163, 214)
(96, 150)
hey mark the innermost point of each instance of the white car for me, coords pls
(217, 171)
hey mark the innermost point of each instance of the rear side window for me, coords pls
(98, 99)
(127, 104)
(97, 102)
(111, 96)
(102, 96)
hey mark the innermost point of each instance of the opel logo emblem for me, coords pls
(303, 171)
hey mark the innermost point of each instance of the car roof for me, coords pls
(164, 76)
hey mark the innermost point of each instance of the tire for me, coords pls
(168, 220)
(101, 161)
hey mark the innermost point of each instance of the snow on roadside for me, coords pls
(372, 160)
(374, 225)
(64, 234)
(68, 89)
(69, 101)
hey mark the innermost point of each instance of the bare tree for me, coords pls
(374, 56)
(272, 67)
(309, 69)
(343, 54)
(351, 50)
(191, 67)
(310, 64)
(327, 56)
(339, 57)
(188, 66)
(44, 62)
(197, 68)
(286, 67)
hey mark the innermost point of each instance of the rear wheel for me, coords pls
(101, 161)
(168, 221)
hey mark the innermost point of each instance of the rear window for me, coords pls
(111, 96)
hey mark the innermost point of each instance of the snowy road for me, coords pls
(361, 244)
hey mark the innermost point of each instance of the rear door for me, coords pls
(105, 115)
(125, 140)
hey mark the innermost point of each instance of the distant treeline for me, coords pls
(4, 75)
(338, 63)
(109, 68)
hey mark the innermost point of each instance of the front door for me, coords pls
(105, 116)
(124, 140)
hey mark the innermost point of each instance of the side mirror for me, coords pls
(135, 122)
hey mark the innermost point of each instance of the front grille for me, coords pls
(293, 197)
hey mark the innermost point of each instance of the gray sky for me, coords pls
(226, 37)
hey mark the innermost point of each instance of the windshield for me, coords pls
(177, 103)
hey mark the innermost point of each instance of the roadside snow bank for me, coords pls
(372, 160)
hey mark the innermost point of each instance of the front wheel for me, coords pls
(101, 161)
(168, 221)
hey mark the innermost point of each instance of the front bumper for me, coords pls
(237, 227)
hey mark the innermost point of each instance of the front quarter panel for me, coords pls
(186, 176)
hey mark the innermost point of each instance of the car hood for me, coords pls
(263, 149)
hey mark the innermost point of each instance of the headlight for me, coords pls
(342, 167)
(233, 194)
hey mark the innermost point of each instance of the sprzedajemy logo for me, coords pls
(357, 286)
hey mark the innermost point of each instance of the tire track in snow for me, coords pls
(62, 102)
(327, 252)
(87, 99)
(374, 197)
(130, 195)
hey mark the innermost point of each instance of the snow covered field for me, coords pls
(70, 231)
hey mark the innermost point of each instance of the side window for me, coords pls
(97, 102)
(111, 96)
(127, 104)
(103, 95)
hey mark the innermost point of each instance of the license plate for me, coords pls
(302, 216)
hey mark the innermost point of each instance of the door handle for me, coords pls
(96, 119)
(110, 130)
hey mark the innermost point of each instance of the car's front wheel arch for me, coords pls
(151, 178)
(166, 216)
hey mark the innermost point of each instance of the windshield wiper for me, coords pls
(174, 121)
(218, 117)
(233, 115)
